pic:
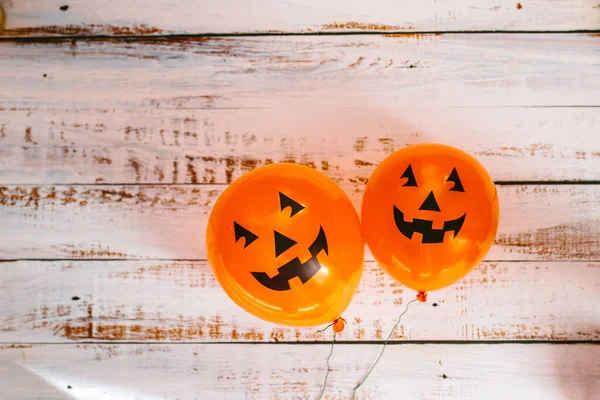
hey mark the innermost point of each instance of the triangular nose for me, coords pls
(430, 204)
(282, 243)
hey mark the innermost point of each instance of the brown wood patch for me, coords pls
(217, 146)
(181, 301)
(578, 240)
(364, 26)
(539, 222)
(84, 30)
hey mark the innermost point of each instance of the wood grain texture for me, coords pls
(346, 143)
(318, 71)
(238, 371)
(154, 17)
(103, 255)
(539, 222)
(150, 301)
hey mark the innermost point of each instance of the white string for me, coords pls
(382, 350)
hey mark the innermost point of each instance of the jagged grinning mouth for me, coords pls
(295, 268)
(424, 227)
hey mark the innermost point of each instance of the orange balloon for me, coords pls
(285, 243)
(430, 214)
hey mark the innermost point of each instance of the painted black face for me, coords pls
(294, 268)
(422, 226)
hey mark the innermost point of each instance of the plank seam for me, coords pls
(13, 260)
(284, 34)
(77, 184)
(325, 342)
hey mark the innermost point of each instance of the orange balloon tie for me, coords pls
(339, 325)
(422, 297)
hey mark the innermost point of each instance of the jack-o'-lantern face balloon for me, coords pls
(430, 214)
(286, 244)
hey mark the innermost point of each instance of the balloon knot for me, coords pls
(339, 325)
(422, 297)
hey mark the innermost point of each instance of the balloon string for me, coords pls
(328, 358)
(327, 327)
(382, 350)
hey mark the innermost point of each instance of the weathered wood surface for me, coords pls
(216, 146)
(238, 371)
(159, 17)
(538, 222)
(373, 71)
(98, 135)
(65, 301)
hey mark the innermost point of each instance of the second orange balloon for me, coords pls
(430, 214)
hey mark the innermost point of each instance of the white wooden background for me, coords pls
(122, 122)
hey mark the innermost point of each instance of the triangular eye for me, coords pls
(285, 201)
(458, 187)
(241, 232)
(282, 243)
(410, 175)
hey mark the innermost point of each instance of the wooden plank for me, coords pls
(85, 17)
(317, 71)
(538, 222)
(216, 146)
(151, 301)
(238, 371)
